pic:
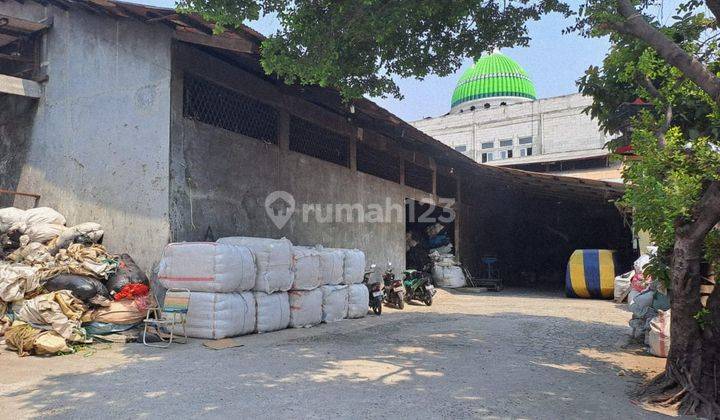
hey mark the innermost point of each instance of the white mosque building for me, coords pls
(496, 119)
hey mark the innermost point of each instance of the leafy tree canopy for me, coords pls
(359, 46)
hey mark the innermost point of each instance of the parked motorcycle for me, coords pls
(394, 289)
(418, 286)
(375, 289)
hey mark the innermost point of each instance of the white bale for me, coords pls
(9, 216)
(305, 307)
(219, 315)
(448, 276)
(358, 300)
(43, 232)
(353, 266)
(273, 259)
(307, 268)
(207, 267)
(273, 311)
(335, 303)
(331, 266)
(640, 263)
(43, 215)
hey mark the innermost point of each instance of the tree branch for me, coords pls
(644, 81)
(706, 213)
(714, 6)
(635, 25)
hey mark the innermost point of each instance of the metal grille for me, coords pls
(446, 186)
(418, 177)
(216, 105)
(376, 162)
(315, 141)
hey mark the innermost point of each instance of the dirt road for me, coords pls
(473, 354)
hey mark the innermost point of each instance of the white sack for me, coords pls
(43, 232)
(273, 259)
(622, 286)
(449, 277)
(335, 303)
(640, 263)
(207, 267)
(358, 300)
(307, 268)
(353, 266)
(219, 315)
(43, 215)
(658, 336)
(9, 216)
(273, 311)
(305, 307)
(331, 266)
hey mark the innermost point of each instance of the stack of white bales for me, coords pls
(289, 286)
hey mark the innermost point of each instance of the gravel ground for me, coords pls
(514, 354)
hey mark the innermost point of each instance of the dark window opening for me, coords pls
(378, 163)
(418, 177)
(315, 141)
(221, 107)
(446, 186)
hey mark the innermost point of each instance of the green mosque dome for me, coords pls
(493, 76)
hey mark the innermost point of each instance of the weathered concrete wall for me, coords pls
(99, 141)
(220, 179)
(15, 129)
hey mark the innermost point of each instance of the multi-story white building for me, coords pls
(496, 119)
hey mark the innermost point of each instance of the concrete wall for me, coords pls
(557, 125)
(15, 131)
(220, 179)
(99, 138)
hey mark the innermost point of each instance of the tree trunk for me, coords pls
(693, 361)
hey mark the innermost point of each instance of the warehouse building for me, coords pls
(144, 121)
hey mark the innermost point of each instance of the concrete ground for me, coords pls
(514, 354)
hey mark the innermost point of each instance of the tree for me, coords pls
(358, 47)
(674, 186)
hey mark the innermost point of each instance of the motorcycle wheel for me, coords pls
(377, 309)
(428, 300)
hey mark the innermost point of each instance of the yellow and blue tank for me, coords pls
(591, 274)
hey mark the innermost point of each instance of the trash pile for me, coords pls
(241, 285)
(649, 303)
(59, 286)
(435, 247)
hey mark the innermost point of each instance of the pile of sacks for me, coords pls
(447, 272)
(241, 285)
(59, 285)
(649, 303)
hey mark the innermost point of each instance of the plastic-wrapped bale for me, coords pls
(219, 315)
(305, 307)
(622, 287)
(353, 266)
(10, 216)
(658, 336)
(307, 268)
(273, 311)
(273, 259)
(591, 274)
(358, 300)
(449, 277)
(335, 303)
(331, 266)
(207, 267)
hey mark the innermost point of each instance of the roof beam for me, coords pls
(21, 87)
(234, 44)
(21, 26)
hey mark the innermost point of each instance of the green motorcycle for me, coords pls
(418, 286)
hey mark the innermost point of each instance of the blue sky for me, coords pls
(554, 62)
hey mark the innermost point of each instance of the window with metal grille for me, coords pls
(446, 186)
(418, 177)
(376, 162)
(221, 107)
(315, 141)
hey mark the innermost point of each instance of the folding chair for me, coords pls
(173, 312)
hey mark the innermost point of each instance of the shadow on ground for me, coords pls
(399, 365)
